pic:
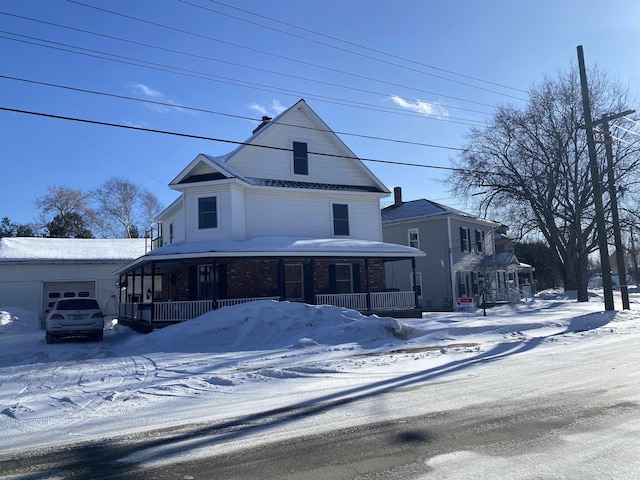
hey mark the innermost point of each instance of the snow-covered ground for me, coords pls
(255, 358)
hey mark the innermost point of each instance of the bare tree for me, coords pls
(151, 207)
(530, 167)
(64, 207)
(124, 209)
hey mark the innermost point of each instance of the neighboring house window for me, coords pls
(207, 212)
(462, 284)
(300, 159)
(293, 281)
(340, 219)
(171, 232)
(479, 241)
(465, 240)
(205, 282)
(414, 240)
(344, 278)
(417, 284)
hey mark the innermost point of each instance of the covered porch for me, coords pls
(179, 282)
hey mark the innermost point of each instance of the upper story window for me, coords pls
(479, 241)
(465, 239)
(340, 219)
(207, 212)
(414, 240)
(171, 232)
(300, 159)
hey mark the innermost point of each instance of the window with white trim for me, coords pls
(465, 239)
(340, 219)
(344, 278)
(207, 212)
(413, 238)
(300, 158)
(479, 241)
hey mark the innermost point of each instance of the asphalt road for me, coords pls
(397, 449)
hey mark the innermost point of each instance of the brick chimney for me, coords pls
(265, 120)
(397, 196)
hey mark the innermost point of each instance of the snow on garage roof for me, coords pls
(36, 249)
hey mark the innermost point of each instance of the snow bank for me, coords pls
(266, 325)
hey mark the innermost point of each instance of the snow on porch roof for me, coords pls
(278, 247)
(55, 250)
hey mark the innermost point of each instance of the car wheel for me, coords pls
(50, 338)
(98, 337)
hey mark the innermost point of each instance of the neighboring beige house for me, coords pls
(35, 271)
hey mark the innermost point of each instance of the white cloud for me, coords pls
(155, 95)
(420, 106)
(270, 110)
(146, 91)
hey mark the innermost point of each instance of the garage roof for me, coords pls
(36, 250)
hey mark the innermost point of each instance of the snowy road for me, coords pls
(549, 389)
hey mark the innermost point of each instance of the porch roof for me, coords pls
(277, 247)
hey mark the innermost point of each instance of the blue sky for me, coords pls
(408, 71)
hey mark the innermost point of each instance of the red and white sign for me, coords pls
(465, 304)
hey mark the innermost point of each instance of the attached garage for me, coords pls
(34, 272)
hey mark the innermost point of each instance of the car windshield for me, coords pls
(78, 304)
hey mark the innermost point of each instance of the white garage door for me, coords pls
(55, 290)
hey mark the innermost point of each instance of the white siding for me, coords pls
(278, 164)
(177, 218)
(309, 214)
(224, 231)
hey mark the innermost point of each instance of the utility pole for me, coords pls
(607, 284)
(613, 196)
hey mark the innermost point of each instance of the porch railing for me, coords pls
(354, 301)
(184, 310)
(227, 302)
(171, 311)
(393, 300)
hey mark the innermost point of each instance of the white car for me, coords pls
(75, 317)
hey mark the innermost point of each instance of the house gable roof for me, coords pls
(424, 209)
(206, 168)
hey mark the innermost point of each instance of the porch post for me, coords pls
(368, 286)
(413, 281)
(281, 280)
(153, 288)
(312, 275)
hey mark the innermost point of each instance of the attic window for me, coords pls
(300, 159)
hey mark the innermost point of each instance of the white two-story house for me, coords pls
(291, 214)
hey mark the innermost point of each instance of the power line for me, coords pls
(359, 46)
(231, 81)
(626, 130)
(263, 52)
(236, 64)
(241, 117)
(350, 51)
(213, 139)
